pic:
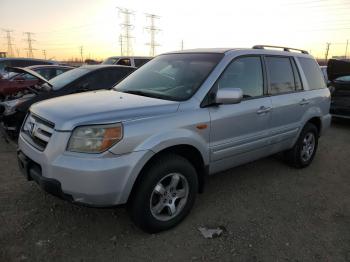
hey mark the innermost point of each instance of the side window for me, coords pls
(47, 73)
(280, 72)
(61, 71)
(101, 79)
(312, 73)
(140, 62)
(244, 73)
(124, 62)
(297, 79)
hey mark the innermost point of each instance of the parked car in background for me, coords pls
(15, 85)
(82, 79)
(324, 73)
(339, 76)
(22, 62)
(136, 61)
(150, 142)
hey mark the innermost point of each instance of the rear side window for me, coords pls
(140, 62)
(312, 73)
(280, 74)
(124, 62)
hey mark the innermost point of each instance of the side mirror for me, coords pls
(229, 96)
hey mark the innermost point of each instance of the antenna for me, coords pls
(153, 30)
(126, 27)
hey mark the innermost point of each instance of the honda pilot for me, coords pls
(152, 140)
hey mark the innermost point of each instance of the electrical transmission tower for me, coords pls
(153, 30)
(29, 40)
(9, 42)
(44, 53)
(126, 27)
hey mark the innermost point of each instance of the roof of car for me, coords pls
(27, 59)
(95, 67)
(227, 50)
(49, 66)
(137, 57)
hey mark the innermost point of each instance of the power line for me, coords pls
(9, 42)
(126, 27)
(153, 30)
(29, 40)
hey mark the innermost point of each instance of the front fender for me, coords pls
(161, 141)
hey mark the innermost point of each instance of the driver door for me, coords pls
(240, 132)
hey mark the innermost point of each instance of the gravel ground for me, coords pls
(271, 212)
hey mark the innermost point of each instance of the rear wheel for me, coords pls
(304, 150)
(165, 194)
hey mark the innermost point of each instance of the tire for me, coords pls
(155, 189)
(302, 154)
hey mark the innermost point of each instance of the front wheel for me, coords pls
(304, 150)
(165, 194)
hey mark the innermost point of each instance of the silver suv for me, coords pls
(151, 142)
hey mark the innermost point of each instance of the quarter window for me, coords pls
(244, 73)
(312, 72)
(280, 74)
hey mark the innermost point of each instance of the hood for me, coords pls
(337, 68)
(100, 107)
(28, 71)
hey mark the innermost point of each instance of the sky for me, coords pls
(61, 27)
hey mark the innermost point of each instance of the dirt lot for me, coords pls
(271, 213)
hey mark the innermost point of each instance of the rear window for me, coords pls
(312, 73)
(140, 62)
(280, 74)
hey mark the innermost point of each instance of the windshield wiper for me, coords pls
(147, 94)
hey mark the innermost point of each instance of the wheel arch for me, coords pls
(190, 152)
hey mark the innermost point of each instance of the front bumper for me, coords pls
(96, 179)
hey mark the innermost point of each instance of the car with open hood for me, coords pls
(82, 79)
(339, 84)
(14, 85)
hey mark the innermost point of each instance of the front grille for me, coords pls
(37, 131)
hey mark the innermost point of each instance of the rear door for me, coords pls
(240, 132)
(288, 100)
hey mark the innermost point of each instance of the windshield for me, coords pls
(172, 77)
(343, 79)
(110, 61)
(65, 78)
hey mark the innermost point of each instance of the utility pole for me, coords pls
(29, 40)
(182, 44)
(9, 42)
(153, 30)
(327, 50)
(81, 48)
(346, 48)
(44, 53)
(121, 44)
(126, 27)
(17, 51)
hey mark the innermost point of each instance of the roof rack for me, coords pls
(287, 49)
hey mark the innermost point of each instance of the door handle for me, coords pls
(304, 102)
(263, 110)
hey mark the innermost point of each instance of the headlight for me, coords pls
(95, 139)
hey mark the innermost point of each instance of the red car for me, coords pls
(14, 84)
